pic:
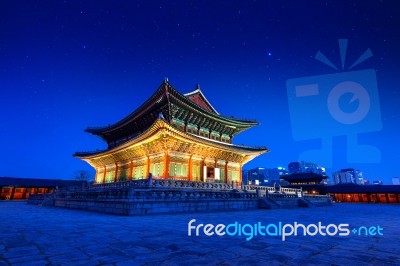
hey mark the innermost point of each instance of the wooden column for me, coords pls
(131, 171)
(148, 167)
(104, 175)
(190, 168)
(240, 174)
(226, 172)
(166, 165)
(95, 176)
(202, 178)
(116, 172)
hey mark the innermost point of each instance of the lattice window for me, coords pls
(99, 177)
(233, 175)
(178, 169)
(196, 172)
(123, 174)
(157, 169)
(110, 176)
(222, 174)
(139, 171)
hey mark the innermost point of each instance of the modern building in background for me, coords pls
(173, 136)
(348, 176)
(261, 176)
(305, 167)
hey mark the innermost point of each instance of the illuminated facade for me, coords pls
(172, 135)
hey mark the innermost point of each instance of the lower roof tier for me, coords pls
(162, 137)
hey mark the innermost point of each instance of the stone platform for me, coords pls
(157, 196)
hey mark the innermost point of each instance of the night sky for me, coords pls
(67, 65)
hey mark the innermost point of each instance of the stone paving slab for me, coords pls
(34, 235)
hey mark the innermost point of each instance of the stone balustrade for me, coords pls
(162, 183)
(260, 188)
(281, 196)
(315, 196)
(266, 189)
(290, 190)
(169, 183)
(153, 194)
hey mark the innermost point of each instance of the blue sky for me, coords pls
(67, 65)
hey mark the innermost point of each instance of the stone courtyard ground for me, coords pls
(35, 235)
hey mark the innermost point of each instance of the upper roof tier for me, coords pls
(192, 108)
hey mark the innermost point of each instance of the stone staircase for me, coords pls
(267, 203)
(42, 199)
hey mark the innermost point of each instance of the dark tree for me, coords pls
(82, 175)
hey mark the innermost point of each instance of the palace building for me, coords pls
(172, 135)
